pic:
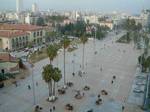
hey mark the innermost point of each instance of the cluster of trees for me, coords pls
(130, 25)
(101, 31)
(51, 74)
(55, 18)
(79, 28)
(133, 30)
(75, 29)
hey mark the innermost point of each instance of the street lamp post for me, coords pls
(64, 64)
(33, 86)
(73, 64)
(94, 41)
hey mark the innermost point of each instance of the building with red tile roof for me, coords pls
(23, 27)
(18, 36)
(8, 63)
(11, 34)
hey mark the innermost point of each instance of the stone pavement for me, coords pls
(111, 57)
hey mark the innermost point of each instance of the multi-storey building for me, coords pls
(19, 6)
(145, 15)
(17, 36)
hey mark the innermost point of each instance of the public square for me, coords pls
(114, 58)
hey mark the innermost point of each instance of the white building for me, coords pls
(19, 6)
(109, 24)
(31, 19)
(91, 19)
(145, 15)
(35, 8)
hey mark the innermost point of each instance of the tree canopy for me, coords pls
(130, 25)
(52, 52)
(75, 29)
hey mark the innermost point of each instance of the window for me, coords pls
(23, 38)
(37, 33)
(34, 34)
(41, 33)
(16, 39)
(19, 38)
(13, 40)
(26, 38)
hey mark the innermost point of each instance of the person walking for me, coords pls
(73, 74)
(101, 69)
(29, 87)
(16, 83)
(50, 110)
(36, 83)
(122, 108)
(98, 95)
(54, 108)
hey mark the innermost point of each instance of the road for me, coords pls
(114, 58)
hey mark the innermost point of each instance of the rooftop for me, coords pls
(10, 34)
(23, 27)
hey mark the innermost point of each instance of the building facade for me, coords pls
(17, 36)
(19, 6)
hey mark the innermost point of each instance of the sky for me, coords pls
(129, 6)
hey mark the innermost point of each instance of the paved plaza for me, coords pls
(114, 59)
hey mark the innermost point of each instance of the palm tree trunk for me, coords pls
(50, 62)
(83, 57)
(54, 89)
(49, 87)
(64, 67)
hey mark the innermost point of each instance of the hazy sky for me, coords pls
(131, 6)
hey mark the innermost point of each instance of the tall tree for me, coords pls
(83, 39)
(52, 53)
(47, 74)
(66, 43)
(56, 77)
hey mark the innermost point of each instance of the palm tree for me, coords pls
(56, 77)
(47, 76)
(66, 43)
(52, 52)
(83, 40)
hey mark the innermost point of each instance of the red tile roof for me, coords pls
(10, 34)
(24, 27)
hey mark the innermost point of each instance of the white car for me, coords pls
(138, 90)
